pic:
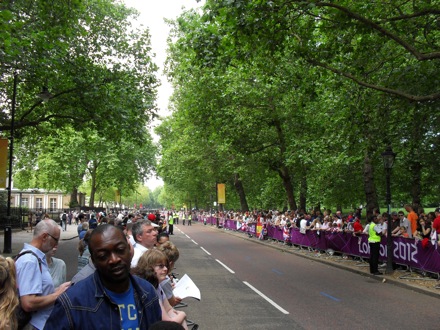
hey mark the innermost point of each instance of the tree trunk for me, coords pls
(416, 178)
(415, 166)
(238, 184)
(93, 185)
(303, 193)
(288, 187)
(318, 207)
(282, 169)
(369, 186)
(92, 196)
(74, 197)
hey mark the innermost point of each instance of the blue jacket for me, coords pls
(87, 306)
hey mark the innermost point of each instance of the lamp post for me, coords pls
(388, 157)
(45, 96)
(7, 247)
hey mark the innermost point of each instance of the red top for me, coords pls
(357, 226)
(436, 224)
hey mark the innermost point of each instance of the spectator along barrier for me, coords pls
(406, 251)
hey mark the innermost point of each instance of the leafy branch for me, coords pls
(410, 97)
(412, 50)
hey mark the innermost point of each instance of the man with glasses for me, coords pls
(145, 235)
(404, 223)
(37, 293)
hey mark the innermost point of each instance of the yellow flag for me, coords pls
(221, 193)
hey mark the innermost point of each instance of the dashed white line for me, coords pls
(227, 268)
(270, 301)
(194, 242)
(205, 251)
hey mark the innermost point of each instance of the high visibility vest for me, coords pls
(189, 217)
(171, 221)
(373, 236)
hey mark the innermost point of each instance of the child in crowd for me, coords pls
(153, 266)
(263, 233)
(403, 232)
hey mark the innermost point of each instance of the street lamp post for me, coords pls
(7, 247)
(45, 96)
(388, 157)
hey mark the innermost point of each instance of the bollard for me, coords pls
(8, 240)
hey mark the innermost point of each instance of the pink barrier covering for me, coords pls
(406, 251)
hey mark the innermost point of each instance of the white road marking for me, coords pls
(270, 301)
(227, 268)
(205, 251)
(194, 242)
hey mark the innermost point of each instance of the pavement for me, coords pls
(19, 237)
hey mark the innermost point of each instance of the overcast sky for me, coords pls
(152, 14)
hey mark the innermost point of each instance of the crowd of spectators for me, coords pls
(58, 303)
(404, 223)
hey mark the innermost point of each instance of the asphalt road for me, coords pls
(245, 285)
(293, 292)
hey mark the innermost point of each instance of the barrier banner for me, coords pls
(309, 239)
(406, 251)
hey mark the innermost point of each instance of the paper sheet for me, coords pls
(185, 287)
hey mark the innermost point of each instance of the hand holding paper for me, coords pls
(186, 288)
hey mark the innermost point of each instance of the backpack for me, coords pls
(24, 317)
(64, 217)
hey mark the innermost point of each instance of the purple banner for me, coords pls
(406, 251)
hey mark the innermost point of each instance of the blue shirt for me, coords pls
(32, 281)
(82, 234)
(87, 305)
(127, 308)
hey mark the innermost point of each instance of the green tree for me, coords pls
(98, 69)
(304, 87)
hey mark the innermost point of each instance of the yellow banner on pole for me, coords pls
(3, 162)
(221, 193)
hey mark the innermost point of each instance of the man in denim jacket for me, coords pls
(111, 298)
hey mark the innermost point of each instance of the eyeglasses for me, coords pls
(55, 239)
(161, 266)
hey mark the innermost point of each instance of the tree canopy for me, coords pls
(291, 103)
(98, 77)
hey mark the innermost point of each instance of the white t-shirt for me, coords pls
(367, 227)
(57, 270)
(138, 251)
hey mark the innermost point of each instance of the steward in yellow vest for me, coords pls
(374, 238)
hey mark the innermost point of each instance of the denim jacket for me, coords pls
(87, 306)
